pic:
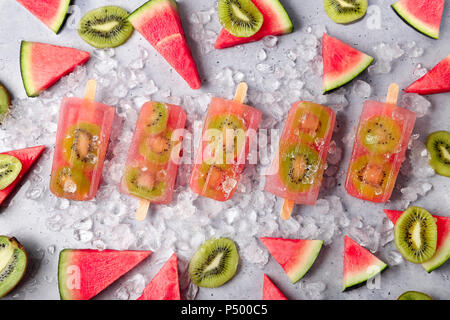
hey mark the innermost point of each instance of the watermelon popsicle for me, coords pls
(228, 134)
(82, 139)
(153, 156)
(297, 170)
(380, 146)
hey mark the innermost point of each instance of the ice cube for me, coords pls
(270, 41)
(261, 55)
(415, 102)
(362, 89)
(394, 258)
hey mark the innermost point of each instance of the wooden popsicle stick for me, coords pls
(142, 210)
(91, 90)
(286, 210)
(241, 92)
(392, 95)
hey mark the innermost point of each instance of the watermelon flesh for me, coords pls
(270, 291)
(359, 264)
(159, 22)
(51, 12)
(165, 285)
(83, 274)
(341, 63)
(42, 65)
(294, 255)
(443, 240)
(437, 80)
(276, 22)
(27, 157)
(423, 15)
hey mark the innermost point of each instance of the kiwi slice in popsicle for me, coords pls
(10, 168)
(345, 11)
(241, 18)
(438, 146)
(70, 183)
(380, 135)
(143, 184)
(158, 116)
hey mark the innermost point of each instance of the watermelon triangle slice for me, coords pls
(43, 64)
(165, 285)
(83, 274)
(159, 22)
(443, 240)
(359, 264)
(424, 16)
(270, 291)
(276, 22)
(27, 157)
(51, 12)
(294, 255)
(437, 80)
(341, 63)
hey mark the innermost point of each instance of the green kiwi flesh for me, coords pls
(380, 135)
(157, 119)
(138, 184)
(215, 263)
(241, 18)
(105, 27)
(10, 168)
(415, 235)
(13, 264)
(5, 102)
(157, 149)
(438, 145)
(70, 182)
(345, 11)
(414, 295)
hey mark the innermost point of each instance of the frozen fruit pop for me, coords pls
(152, 163)
(82, 138)
(297, 170)
(228, 134)
(380, 146)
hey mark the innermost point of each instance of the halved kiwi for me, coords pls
(70, 183)
(438, 146)
(10, 168)
(241, 18)
(380, 135)
(144, 184)
(214, 263)
(299, 166)
(345, 11)
(414, 295)
(157, 149)
(156, 120)
(415, 235)
(13, 264)
(311, 122)
(105, 27)
(5, 102)
(81, 145)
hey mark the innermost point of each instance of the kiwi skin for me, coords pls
(16, 246)
(345, 15)
(436, 141)
(235, 25)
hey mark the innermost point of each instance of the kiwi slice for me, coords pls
(415, 235)
(311, 122)
(105, 27)
(299, 165)
(81, 145)
(241, 18)
(438, 145)
(380, 135)
(157, 149)
(214, 180)
(156, 120)
(143, 184)
(10, 168)
(370, 175)
(345, 11)
(13, 264)
(414, 295)
(5, 102)
(70, 183)
(214, 263)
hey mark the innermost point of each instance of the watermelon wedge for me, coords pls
(341, 63)
(295, 256)
(359, 264)
(27, 157)
(423, 15)
(270, 291)
(82, 274)
(165, 285)
(437, 80)
(51, 12)
(443, 240)
(159, 22)
(44, 64)
(276, 22)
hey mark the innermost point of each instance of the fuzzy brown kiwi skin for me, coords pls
(16, 244)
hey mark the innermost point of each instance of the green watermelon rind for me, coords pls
(365, 62)
(363, 277)
(414, 22)
(306, 264)
(283, 17)
(25, 69)
(142, 10)
(64, 258)
(61, 14)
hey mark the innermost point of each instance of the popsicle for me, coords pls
(82, 138)
(153, 156)
(380, 146)
(228, 134)
(297, 170)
